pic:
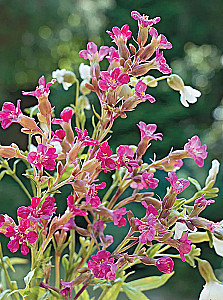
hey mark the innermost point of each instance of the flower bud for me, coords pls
(142, 36)
(213, 172)
(90, 165)
(125, 92)
(147, 79)
(175, 82)
(206, 270)
(142, 69)
(133, 81)
(198, 237)
(8, 152)
(69, 77)
(148, 52)
(147, 260)
(83, 88)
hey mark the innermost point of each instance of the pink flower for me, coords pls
(76, 211)
(41, 90)
(20, 235)
(140, 88)
(162, 40)
(84, 138)
(184, 245)
(148, 180)
(125, 158)
(161, 64)
(98, 229)
(10, 114)
(202, 202)
(113, 55)
(103, 155)
(59, 135)
(112, 79)
(196, 151)
(177, 185)
(117, 216)
(66, 116)
(102, 265)
(147, 131)
(92, 197)
(43, 157)
(144, 20)
(68, 287)
(165, 264)
(150, 209)
(38, 214)
(92, 52)
(120, 35)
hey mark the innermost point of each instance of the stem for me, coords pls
(163, 249)
(103, 293)
(109, 191)
(76, 104)
(57, 269)
(83, 288)
(124, 242)
(16, 178)
(158, 79)
(15, 296)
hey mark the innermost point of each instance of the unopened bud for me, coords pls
(149, 80)
(148, 52)
(206, 270)
(142, 69)
(79, 186)
(125, 92)
(142, 35)
(133, 81)
(147, 260)
(213, 172)
(198, 237)
(83, 88)
(175, 82)
(90, 165)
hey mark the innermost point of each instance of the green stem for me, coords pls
(109, 191)
(104, 292)
(14, 176)
(57, 269)
(76, 104)
(15, 296)
(158, 79)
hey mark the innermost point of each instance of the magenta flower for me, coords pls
(66, 116)
(184, 246)
(140, 88)
(177, 185)
(112, 79)
(38, 214)
(43, 157)
(10, 114)
(125, 158)
(161, 39)
(113, 55)
(196, 151)
(92, 197)
(147, 229)
(148, 180)
(150, 209)
(120, 35)
(84, 138)
(117, 216)
(147, 131)
(76, 211)
(160, 63)
(165, 264)
(68, 287)
(103, 155)
(102, 265)
(202, 202)
(98, 230)
(42, 89)
(144, 20)
(59, 135)
(20, 235)
(92, 52)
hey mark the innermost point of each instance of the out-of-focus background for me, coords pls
(37, 37)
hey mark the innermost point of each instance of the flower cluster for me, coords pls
(76, 159)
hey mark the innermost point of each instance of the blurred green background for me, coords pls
(37, 37)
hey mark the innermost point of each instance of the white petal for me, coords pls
(218, 246)
(183, 99)
(212, 291)
(57, 146)
(33, 148)
(84, 71)
(179, 229)
(192, 91)
(66, 85)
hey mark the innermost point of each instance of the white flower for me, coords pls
(180, 228)
(213, 172)
(218, 247)
(84, 71)
(189, 95)
(57, 146)
(212, 291)
(67, 78)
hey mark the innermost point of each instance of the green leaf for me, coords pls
(152, 250)
(133, 293)
(149, 283)
(194, 252)
(18, 261)
(195, 183)
(65, 262)
(7, 260)
(29, 277)
(113, 292)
